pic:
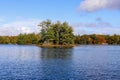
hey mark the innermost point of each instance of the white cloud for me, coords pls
(98, 27)
(94, 5)
(19, 26)
(97, 30)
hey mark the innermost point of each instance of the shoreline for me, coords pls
(61, 46)
(56, 46)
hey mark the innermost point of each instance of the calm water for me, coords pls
(78, 63)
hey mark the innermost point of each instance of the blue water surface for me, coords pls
(21, 62)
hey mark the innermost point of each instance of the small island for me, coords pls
(61, 35)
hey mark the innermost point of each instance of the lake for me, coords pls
(22, 62)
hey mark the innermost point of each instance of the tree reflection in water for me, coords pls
(56, 63)
(56, 53)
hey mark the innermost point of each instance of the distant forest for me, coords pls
(83, 39)
(59, 34)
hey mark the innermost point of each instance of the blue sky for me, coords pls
(85, 16)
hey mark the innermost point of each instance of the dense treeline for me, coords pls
(78, 39)
(59, 34)
(97, 39)
(20, 39)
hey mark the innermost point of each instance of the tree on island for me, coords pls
(59, 34)
(56, 33)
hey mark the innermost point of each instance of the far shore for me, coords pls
(62, 46)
